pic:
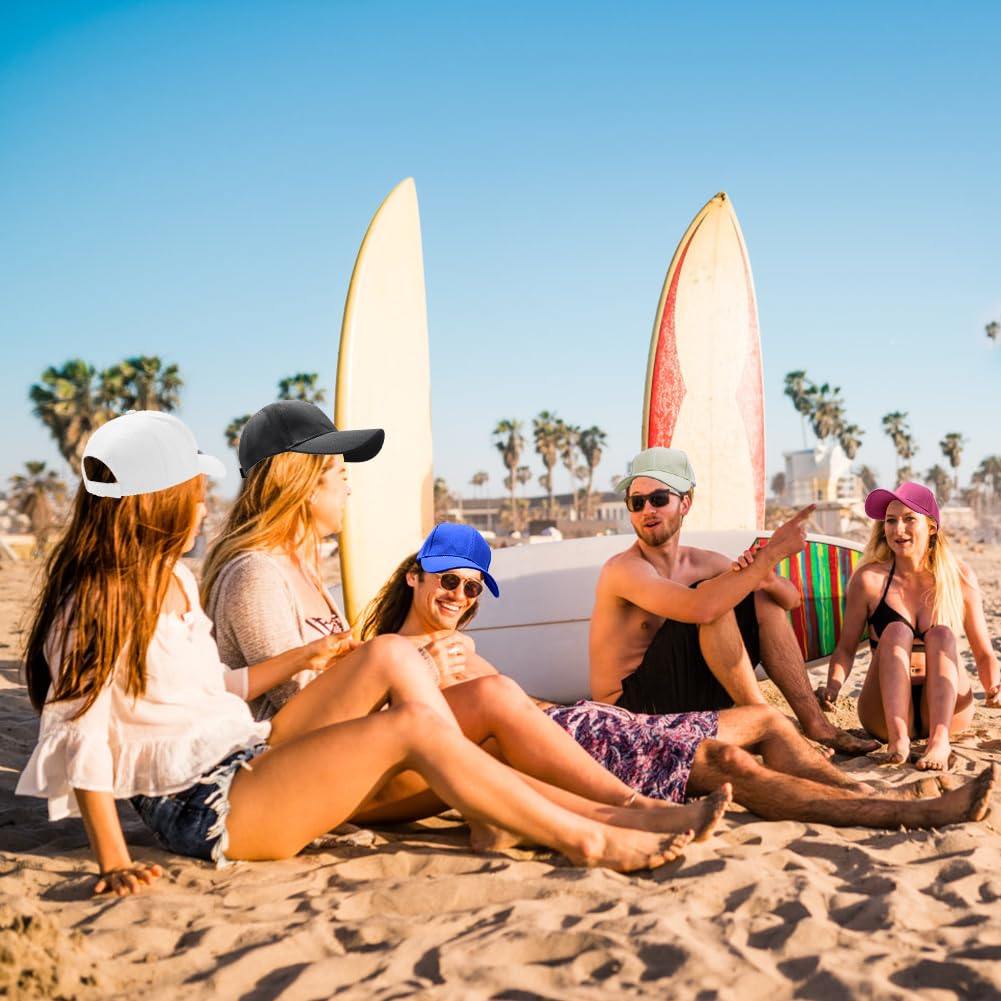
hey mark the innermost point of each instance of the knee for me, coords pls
(897, 634)
(941, 637)
(728, 758)
(390, 649)
(496, 691)
(773, 722)
(414, 718)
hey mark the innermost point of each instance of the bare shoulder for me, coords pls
(870, 577)
(968, 577)
(705, 562)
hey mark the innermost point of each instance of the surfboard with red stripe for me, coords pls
(704, 391)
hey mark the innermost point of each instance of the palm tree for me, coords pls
(993, 330)
(989, 470)
(479, 479)
(569, 447)
(952, 448)
(546, 434)
(301, 386)
(36, 495)
(143, 383)
(442, 498)
(798, 388)
(827, 411)
(850, 438)
(592, 441)
(778, 485)
(509, 441)
(869, 478)
(940, 481)
(234, 429)
(72, 402)
(895, 425)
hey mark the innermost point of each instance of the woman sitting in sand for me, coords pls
(263, 588)
(123, 668)
(436, 591)
(914, 596)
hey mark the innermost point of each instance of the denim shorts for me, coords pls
(193, 821)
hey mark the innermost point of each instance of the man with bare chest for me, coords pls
(677, 629)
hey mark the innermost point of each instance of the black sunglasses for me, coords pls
(658, 498)
(470, 588)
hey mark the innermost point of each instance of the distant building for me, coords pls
(822, 473)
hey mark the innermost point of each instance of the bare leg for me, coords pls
(776, 796)
(893, 717)
(385, 669)
(496, 708)
(942, 691)
(307, 786)
(723, 649)
(783, 662)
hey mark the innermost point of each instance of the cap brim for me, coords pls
(355, 446)
(439, 564)
(877, 502)
(211, 466)
(678, 483)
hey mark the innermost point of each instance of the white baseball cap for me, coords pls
(147, 451)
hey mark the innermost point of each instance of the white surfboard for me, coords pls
(383, 380)
(704, 390)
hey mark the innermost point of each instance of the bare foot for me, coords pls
(701, 816)
(487, 838)
(969, 802)
(625, 850)
(938, 757)
(896, 753)
(843, 742)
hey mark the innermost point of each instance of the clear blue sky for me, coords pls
(193, 179)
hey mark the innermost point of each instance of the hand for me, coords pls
(790, 537)
(993, 700)
(744, 560)
(450, 653)
(827, 695)
(127, 880)
(328, 649)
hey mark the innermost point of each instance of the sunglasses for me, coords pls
(658, 498)
(470, 588)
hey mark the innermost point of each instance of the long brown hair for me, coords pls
(105, 583)
(272, 512)
(388, 610)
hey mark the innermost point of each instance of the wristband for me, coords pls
(432, 666)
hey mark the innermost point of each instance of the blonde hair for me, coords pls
(939, 560)
(105, 584)
(273, 511)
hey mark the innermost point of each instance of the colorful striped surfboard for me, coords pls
(821, 573)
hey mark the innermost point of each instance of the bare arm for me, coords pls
(119, 874)
(315, 656)
(975, 626)
(843, 659)
(642, 586)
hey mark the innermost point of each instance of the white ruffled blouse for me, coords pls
(156, 744)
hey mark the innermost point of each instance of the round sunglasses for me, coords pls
(657, 498)
(450, 581)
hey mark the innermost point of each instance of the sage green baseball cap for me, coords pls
(669, 466)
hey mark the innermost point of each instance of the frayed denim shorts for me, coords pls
(193, 821)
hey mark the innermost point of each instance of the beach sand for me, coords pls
(764, 910)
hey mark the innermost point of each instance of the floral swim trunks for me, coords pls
(652, 754)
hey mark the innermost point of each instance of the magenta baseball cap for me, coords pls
(912, 495)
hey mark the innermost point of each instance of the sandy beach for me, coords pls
(763, 910)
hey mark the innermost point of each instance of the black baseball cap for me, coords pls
(297, 426)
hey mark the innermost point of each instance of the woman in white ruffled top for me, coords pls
(133, 699)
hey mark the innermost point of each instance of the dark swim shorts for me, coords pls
(673, 676)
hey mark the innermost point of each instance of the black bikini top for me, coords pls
(883, 615)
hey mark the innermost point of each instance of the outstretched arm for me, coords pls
(670, 600)
(975, 626)
(843, 658)
(119, 874)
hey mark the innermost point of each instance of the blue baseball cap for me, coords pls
(451, 546)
